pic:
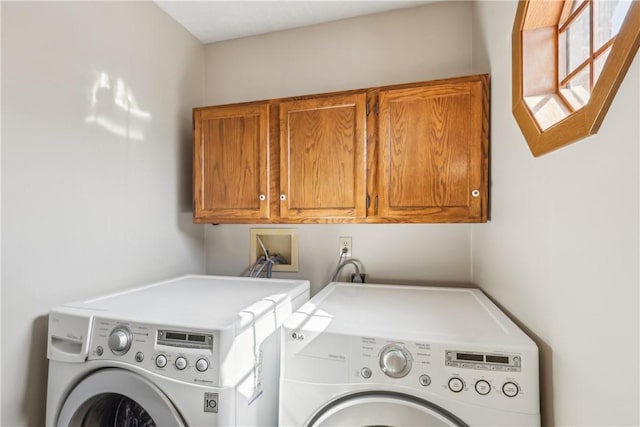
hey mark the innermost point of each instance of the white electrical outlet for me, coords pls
(345, 242)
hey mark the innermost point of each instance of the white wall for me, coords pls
(94, 198)
(428, 42)
(561, 253)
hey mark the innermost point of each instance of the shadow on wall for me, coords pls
(545, 355)
(33, 407)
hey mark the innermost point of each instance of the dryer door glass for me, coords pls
(116, 397)
(383, 409)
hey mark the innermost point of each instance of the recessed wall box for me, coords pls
(277, 241)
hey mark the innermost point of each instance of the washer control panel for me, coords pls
(185, 355)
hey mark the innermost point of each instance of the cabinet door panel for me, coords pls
(230, 167)
(322, 157)
(432, 146)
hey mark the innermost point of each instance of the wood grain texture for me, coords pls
(230, 162)
(327, 156)
(432, 151)
(322, 145)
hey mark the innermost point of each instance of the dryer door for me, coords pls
(383, 409)
(116, 397)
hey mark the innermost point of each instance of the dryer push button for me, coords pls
(365, 372)
(483, 387)
(425, 380)
(510, 389)
(456, 384)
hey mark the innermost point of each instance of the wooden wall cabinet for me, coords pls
(322, 158)
(433, 142)
(230, 169)
(405, 153)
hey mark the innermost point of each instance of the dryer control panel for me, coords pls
(487, 377)
(185, 355)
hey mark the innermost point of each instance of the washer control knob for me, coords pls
(202, 365)
(181, 363)
(510, 389)
(365, 372)
(395, 361)
(161, 361)
(120, 340)
(456, 384)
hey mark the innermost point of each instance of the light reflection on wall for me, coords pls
(114, 108)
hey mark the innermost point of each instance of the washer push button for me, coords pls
(161, 361)
(181, 363)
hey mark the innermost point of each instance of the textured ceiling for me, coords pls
(214, 20)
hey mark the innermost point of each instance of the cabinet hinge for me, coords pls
(377, 108)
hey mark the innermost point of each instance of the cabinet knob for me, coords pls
(475, 193)
(262, 197)
(283, 197)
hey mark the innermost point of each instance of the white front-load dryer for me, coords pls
(192, 351)
(390, 355)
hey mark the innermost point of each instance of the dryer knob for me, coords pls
(120, 340)
(395, 361)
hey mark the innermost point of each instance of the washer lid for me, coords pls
(215, 302)
(382, 409)
(418, 312)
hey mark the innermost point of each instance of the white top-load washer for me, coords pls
(391, 355)
(192, 351)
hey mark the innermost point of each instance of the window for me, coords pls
(569, 57)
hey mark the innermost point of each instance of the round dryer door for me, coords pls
(116, 397)
(383, 409)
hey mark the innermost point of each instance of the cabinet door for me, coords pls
(231, 181)
(322, 159)
(433, 152)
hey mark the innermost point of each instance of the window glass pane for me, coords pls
(576, 4)
(599, 65)
(577, 91)
(609, 15)
(577, 41)
(563, 56)
(567, 11)
(547, 109)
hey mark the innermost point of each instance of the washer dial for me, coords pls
(120, 340)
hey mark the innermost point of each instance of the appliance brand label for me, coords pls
(211, 402)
